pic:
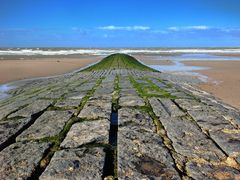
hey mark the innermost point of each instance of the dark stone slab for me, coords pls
(87, 132)
(20, 160)
(10, 128)
(50, 123)
(96, 109)
(32, 109)
(198, 170)
(131, 101)
(68, 102)
(189, 141)
(79, 164)
(142, 155)
(229, 141)
(134, 117)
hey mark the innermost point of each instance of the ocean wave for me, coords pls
(52, 52)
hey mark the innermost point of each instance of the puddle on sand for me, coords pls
(4, 88)
(194, 57)
(177, 67)
(181, 69)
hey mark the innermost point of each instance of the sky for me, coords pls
(120, 23)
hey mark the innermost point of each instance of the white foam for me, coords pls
(50, 52)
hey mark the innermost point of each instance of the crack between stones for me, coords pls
(110, 164)
(205, 133)
(161, 131)
(57, 140)
(12, 139)
(6, 117)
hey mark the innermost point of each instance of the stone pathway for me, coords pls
(117, 123)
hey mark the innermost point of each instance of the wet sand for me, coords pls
(224, 79)
(152, 60)
(13, 70)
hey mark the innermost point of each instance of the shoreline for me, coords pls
(223, 79)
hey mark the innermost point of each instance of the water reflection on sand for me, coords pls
(179, 66)
(4, 88)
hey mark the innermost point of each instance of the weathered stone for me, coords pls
(87, 132)
(54, 94)
(158, 108)
(228, 140)
(104, 89)
(20, 160)
(142, 155)
(220, 130)
(210, 120)
(79, 164)
(135, 117)
(128, 92)
(171, 108)
(86, 87)
(188, 104)
(180, 95)
(125, 84)
(165, 107)
(142, 82)
(158, 83)
(198, 170)
(188, 140)
(98, 109)
(10, 128)
(68, 103)
(7, 109)
(141, 152)
(50, 123)
(32, 109)
(131, 101)
(76, 95)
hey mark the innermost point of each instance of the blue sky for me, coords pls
(125, 23)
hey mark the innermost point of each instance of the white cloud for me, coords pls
(230, 29)
(159, 32)
(201, 27)
(125, 28)
(197, 27)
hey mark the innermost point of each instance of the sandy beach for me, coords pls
(12, 70)
(224, 79)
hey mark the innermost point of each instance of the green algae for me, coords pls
(150, 90)
(119, 61)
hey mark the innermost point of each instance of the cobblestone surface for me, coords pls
(117, 123)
